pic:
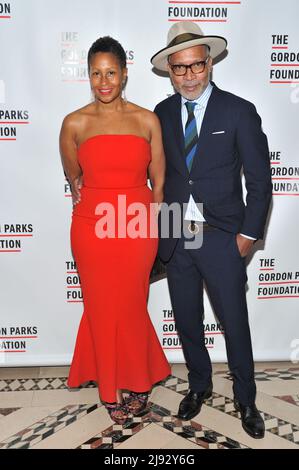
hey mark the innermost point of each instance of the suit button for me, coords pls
(190, 181)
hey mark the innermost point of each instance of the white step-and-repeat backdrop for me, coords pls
(43, 77)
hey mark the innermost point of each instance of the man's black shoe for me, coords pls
(252, 422)
(191, 404)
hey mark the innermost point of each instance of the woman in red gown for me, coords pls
(108, 147)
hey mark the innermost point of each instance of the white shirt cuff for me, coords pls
(247, 236)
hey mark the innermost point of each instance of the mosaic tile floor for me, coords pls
(38, 411)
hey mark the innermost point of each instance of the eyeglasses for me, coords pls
(196, 67)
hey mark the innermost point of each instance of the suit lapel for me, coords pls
(176, 119)
(206, 127)
(177, 127)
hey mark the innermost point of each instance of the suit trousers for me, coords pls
(219, 265)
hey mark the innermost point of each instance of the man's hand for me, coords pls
(244, 244)
(76, 185)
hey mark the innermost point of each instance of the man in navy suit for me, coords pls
(209, 137)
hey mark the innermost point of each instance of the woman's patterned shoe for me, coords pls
(118, 412)
(136, 402)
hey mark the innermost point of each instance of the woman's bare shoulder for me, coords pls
(79, 116)
(143, 113)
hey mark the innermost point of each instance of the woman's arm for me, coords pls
(156, 168)
(68, 151)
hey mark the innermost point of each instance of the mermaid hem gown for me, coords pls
(116, 344)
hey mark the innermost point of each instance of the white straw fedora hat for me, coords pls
(183, 35)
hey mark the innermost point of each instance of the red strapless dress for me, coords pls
(116, 344)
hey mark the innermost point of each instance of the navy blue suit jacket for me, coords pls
(215, 177)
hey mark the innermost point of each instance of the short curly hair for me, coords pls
(108, 44)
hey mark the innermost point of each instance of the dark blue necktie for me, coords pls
(191, 137)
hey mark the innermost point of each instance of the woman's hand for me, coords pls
(157, 208)
(76, 186)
